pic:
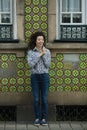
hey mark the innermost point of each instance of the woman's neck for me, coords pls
(39, 48)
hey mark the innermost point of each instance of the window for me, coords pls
(7, 20)
(5, 11)
(71, 11)
(71, 19)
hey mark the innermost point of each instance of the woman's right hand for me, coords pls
(43, 52)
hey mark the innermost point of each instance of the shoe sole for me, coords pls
(36, 124)
(44, 124)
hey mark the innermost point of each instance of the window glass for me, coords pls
(65, 18)
(5, 18)
(71, 5)
(71, 11)
(77, 18)
(5, 11)
(5, 5)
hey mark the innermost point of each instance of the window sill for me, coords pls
(67, 47)
(70, 41)
(18, 48)
(10, 41)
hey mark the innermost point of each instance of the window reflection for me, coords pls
(4, 5)
(77, 18)
(71, 5)
(66, 18)
(5, 18)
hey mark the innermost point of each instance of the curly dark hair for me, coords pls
(32, 40)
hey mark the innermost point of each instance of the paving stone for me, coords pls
(54, 126)
(21, 127)
(10, 126)
(32, 127)
(65, 126)
(76, 126)
(51, 126)
(43, 127)
(84, 125)
(2, 125)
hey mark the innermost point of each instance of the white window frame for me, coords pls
(7, 13)
(13, 20)
(58, 19)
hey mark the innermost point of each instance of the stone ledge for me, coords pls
(67, 48)
(17, 48)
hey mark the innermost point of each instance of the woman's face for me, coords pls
(39, 42)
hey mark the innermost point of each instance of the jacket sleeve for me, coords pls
(32, 58)
(47, 59)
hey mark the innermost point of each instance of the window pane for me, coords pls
(5, 5)
(64, 5)
(66, 18)
(71, 5)
(5, 18)
(77, 18)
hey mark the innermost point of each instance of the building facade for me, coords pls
(64, 23)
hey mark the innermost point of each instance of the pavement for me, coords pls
(59, 125)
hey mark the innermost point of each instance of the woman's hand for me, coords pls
(43, 52)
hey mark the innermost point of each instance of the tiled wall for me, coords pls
(68, 72)
(35, 17)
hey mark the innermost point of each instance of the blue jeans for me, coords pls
(40, 88)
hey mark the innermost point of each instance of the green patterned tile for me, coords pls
(20, 81)
(75, 81)
(4, 65)
(27, 72)
(20, 65)
(60, 57)
(27, 80)
(83, 73)
(20, 89)
(44, 2)
(52, 80)
(36, 18)
(36, 10)
(52, 65)
(75, 73)
(59, 73)
(12, 81)
(60, 65)
(28, 89)
(52, 72)
(35, 2)
(51, 88)
(83, 65)
(12, 57)
(27, 18)
(67, 88)
(36, 26)
(67, 80)
(20, 73)
(4, 57)
(75, 88)
(83, 57)
(44, 10)
(12, 89)
(4, 81)
(83, 80)
(60, 88)
(60, 81)
(67, 73)
(83, 88)
(27, 9)
(4, 89)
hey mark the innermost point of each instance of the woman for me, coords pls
(39, 60)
